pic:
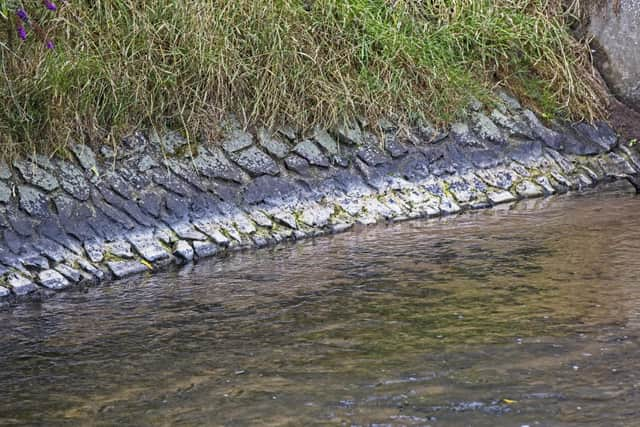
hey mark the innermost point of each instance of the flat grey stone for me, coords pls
(448, 206)
(528, 189)
(36, 261)
(119, 248)
(212, 230)
(148, 247)
(213, 164)
(285, 217)
(85, 156)
(68, 272)
(122, 269)
(297, 164)
(146, 163)
(485, 128)
(256, 162)
(20, 285)
(73, 181)
(544, 182)
(185, 230)
(204, 249)
(316, 216)
(170, 143)
(274, 146)
(244, 224)
(34, 202)
(261, 219)
(52, 279)
(325, 141)
(311, 153)
(4, 292)
(288, 132)
(36, 176)
(237, 140)
(497, 197)
(550, 137)
(5, 192)
(5, 170)
(394, 147)
(183, 250)
(372, 156)
(462, 135)
(349, 134)
(94, 250)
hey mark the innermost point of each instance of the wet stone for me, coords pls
(119, 248)
(36, 176)
(52, 279)
(600, 133)
(237, 140)
(183, 250)
(256, 162)
(85, 156)
(311, 153)
(36, 261)
(122, 269)
(34, 202)
(316, 216)
(498, 197)
(274, 146)
(68, 272)
(528, 189)
(204, 249)
(326, 141)
(297, 164)
(20, 285)
(148, 247)
(94, 250)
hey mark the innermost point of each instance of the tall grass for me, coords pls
(120, 64)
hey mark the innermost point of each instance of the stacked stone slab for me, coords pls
(101, 214)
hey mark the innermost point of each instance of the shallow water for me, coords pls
(526, 314)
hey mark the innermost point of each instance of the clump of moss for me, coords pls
(126, 63)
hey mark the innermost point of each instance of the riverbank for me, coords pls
(158, 200)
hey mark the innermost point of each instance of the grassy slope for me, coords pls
(125, 63)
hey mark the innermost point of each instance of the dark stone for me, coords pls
(550, 138)
(600, 133)
(579, 145)
(414, 167)
(171, 182)
(177, 208)
(36, 176)
(270, 189)
(484, 159)
(150, 202)
(73, 181)
(34, 202)
(13, 241)
(525, 151)
(21, 223)
(341, 161)
(111, 212)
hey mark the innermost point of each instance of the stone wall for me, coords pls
(614, 27)
(102, 214)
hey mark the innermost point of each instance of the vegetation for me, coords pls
(120, 64)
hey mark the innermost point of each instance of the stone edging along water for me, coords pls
(159, 200)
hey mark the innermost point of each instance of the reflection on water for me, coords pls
(522, 315)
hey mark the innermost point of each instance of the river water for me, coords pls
(527, 314)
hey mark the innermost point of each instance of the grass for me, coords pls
(123, 64)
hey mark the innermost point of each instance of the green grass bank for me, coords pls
(122, 64)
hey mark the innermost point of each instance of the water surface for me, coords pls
(527, 314)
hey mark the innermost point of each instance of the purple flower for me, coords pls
(49, 44)
(50, 5)
(22, 33)
(22, 14)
